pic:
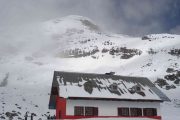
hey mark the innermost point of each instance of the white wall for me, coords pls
(109, 108)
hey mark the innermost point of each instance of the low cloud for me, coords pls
(131, 17)
(175, 30)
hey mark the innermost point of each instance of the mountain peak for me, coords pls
(71, 22)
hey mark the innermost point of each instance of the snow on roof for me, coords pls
(89, 85)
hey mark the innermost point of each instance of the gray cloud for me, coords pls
(175, 30)
(132, 17)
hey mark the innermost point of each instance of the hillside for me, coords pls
(76, 43)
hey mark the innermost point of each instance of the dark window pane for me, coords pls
(95, 111)
(78, 111)
(123, 111)
(91, 111)
(136, 111)
(150, 112)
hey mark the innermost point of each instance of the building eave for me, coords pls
(114, 99)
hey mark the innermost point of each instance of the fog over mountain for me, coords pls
(135, 17)
(40, 36)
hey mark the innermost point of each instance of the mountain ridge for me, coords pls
(69, 44)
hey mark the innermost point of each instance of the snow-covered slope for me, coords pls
(77, 44)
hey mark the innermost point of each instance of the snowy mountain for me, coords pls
(76, 43)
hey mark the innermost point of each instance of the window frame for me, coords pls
(83, 111)
(152, 110)
(93, 110)
(80, 111)
(136, 112)
(123, 111)
(88, 111)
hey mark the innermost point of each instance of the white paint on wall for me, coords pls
(109, 108)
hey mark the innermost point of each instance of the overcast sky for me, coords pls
(132, 17)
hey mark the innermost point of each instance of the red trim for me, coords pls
(81, 117)
(60, 108)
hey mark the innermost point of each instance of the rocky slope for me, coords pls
(76, 43)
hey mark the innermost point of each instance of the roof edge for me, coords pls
(114, 99)
(98, 74)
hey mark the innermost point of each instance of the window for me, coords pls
(95, 111)
(123, 111)
(78, 111)
(136, 111)
(87, 111)
(91, 111)
(150, 112)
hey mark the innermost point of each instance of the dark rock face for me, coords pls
(76, 53)
(104, 50)
(168, 87)
(177, 81)
(11, 115)
(124, 52)
(2, 117)
(5, 81)
(178, 73)
(173, 76)
(175, 52)
(108, 43)
(90, 25)
(151, 51)
(170, 70)
(161, 82)
(145, 38)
